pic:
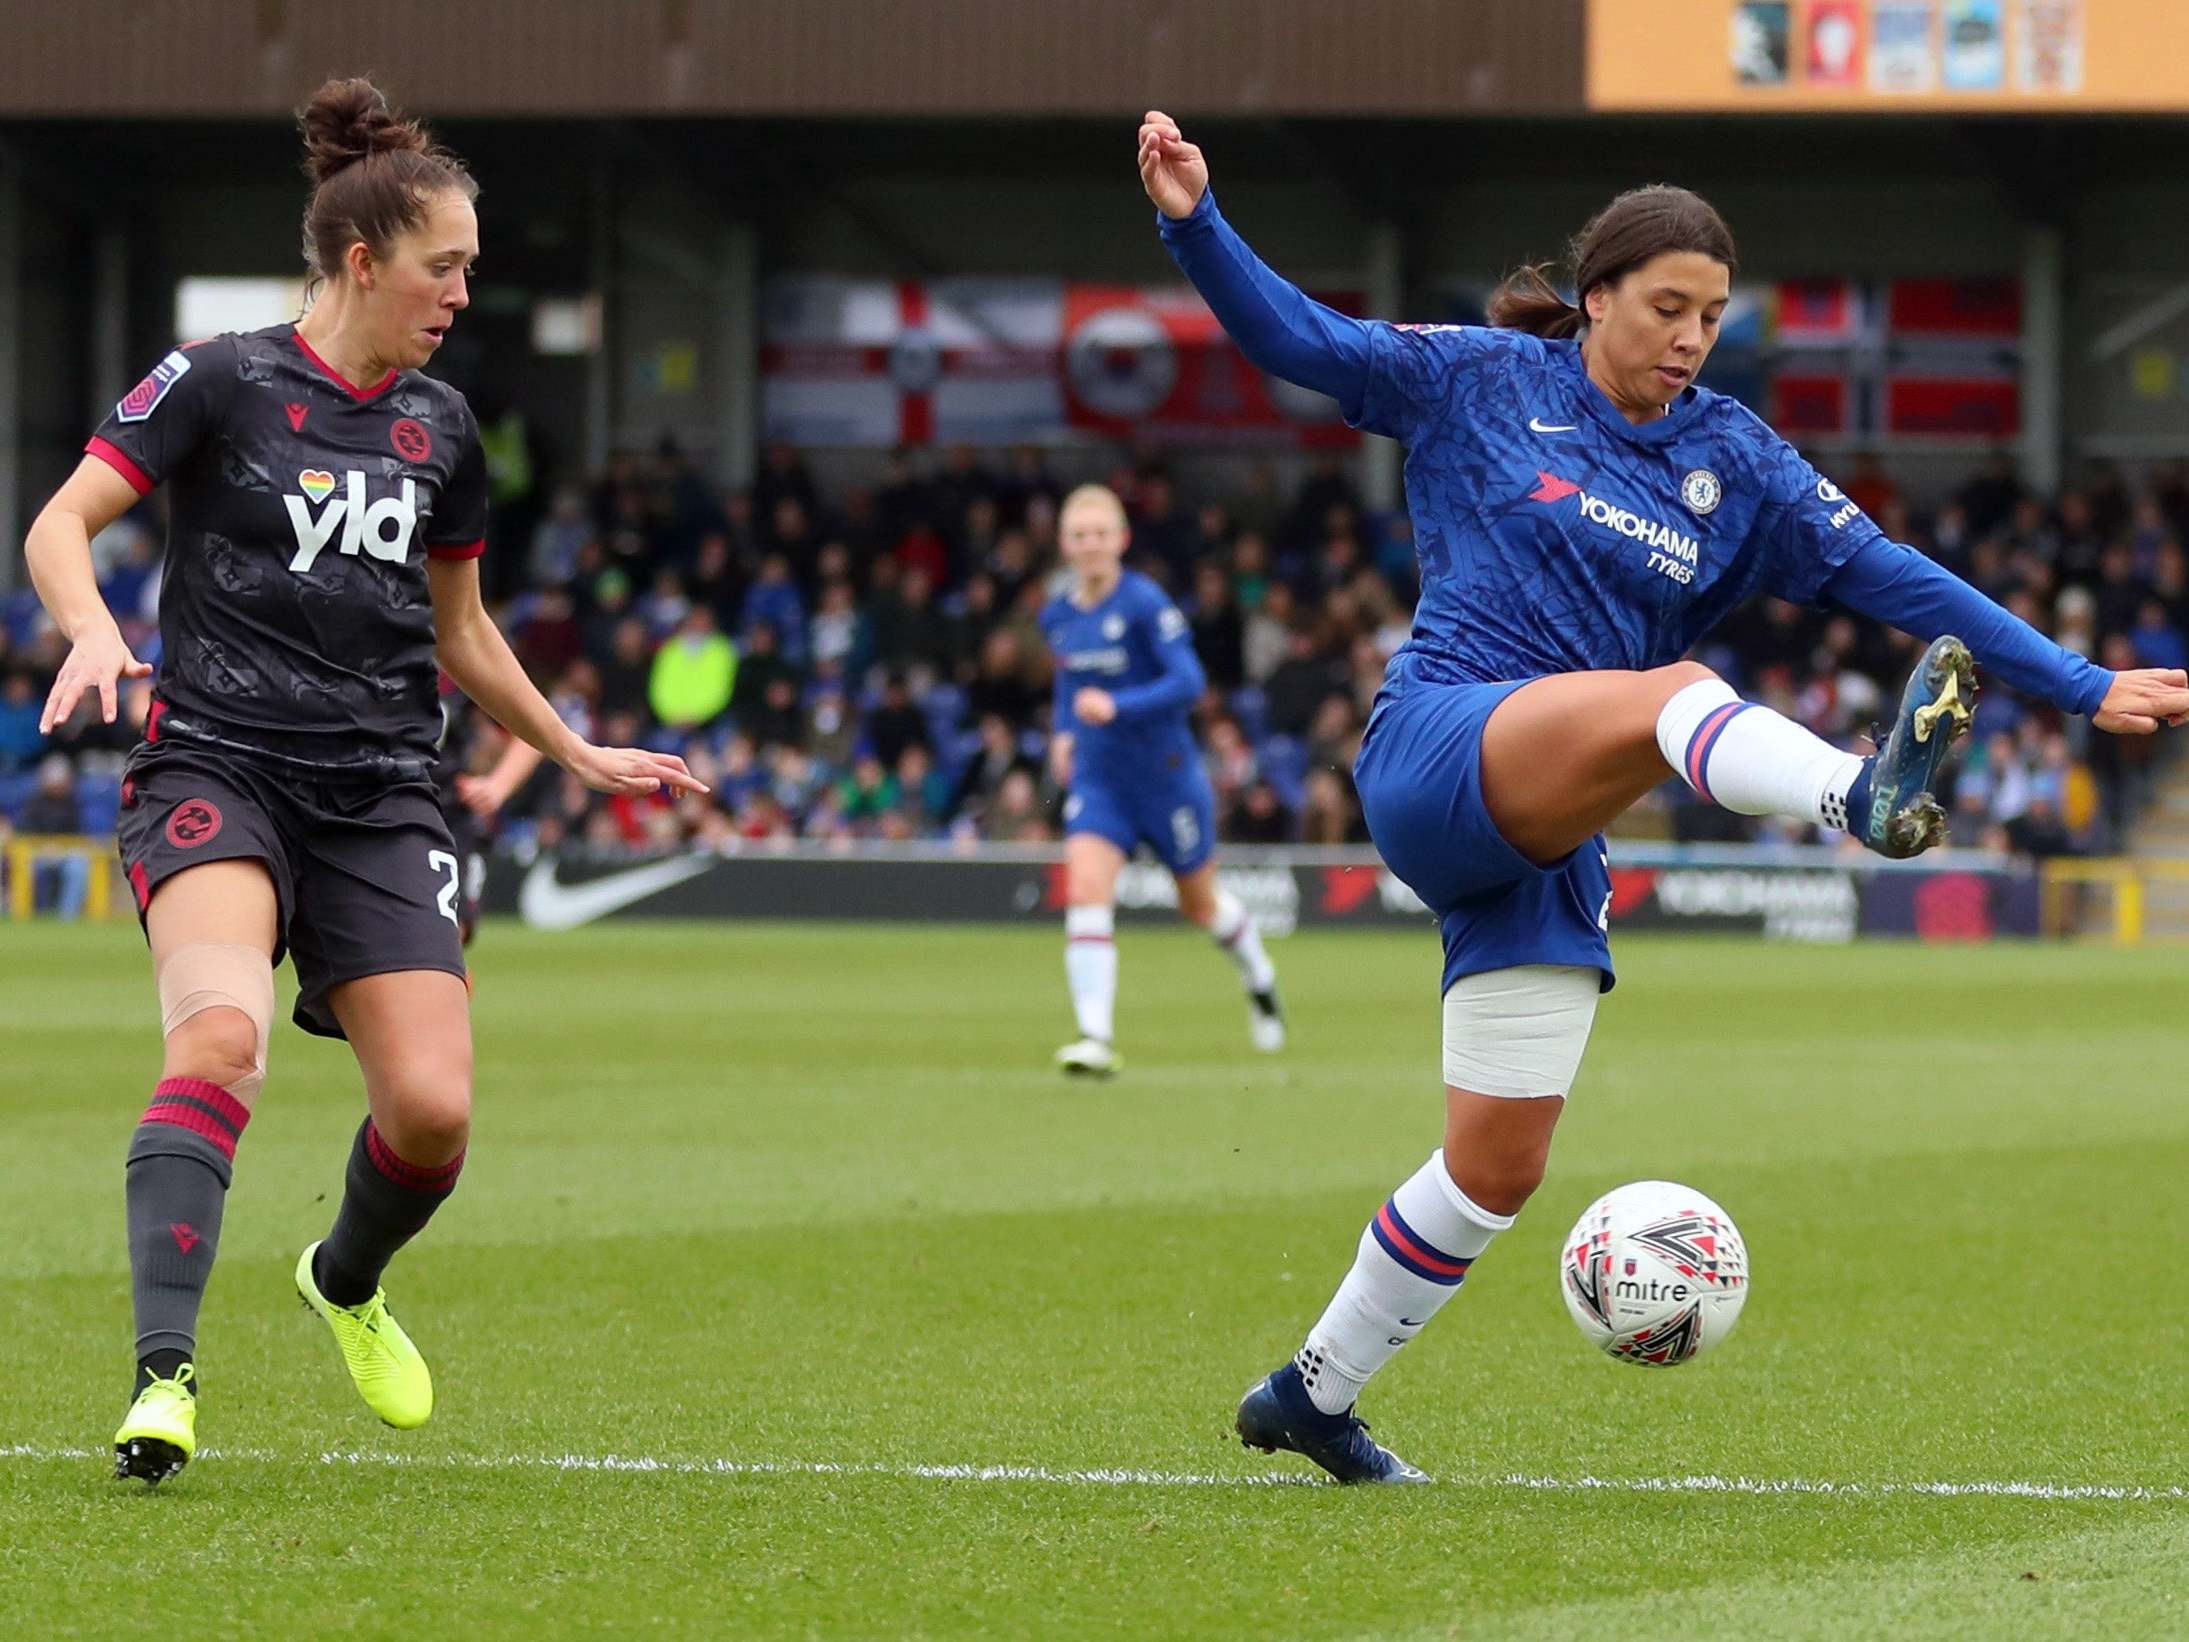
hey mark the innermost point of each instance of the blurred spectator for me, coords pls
(1219, 635)
(693, 673)
(895, 723)
(925, 792)
(838, 634)
(1330, 815)
(558, 539)
(626, 673)
(59, 883)
(714, 580)
(868, 793)
(1266, 637)
(998, 756)
(1989, 497)
(664, 607)
(21, 706)
(1258, 816)
(1307, 677)
(1002, 685)
(783, 477)
(2158, 641)
(773, 599)
(547, 638)
(1015, 814)
(908, 630)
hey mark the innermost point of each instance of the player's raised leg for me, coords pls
(1205, 902)
(211, 929)
(1564, 756)
(411, 1030)
(1513, 1041)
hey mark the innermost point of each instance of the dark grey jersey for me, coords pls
(295, 620)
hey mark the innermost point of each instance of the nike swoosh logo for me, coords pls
(1543, 427)
(546, 903)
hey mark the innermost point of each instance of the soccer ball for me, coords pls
(1654, 1273)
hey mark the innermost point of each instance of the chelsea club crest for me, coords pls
(1701, 491)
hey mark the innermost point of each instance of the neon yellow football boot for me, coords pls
(161, 1431)
(384, 1366)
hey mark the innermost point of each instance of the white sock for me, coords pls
(1752, 760)
(1233, 929)
(1090, 964)
(1412, 1258)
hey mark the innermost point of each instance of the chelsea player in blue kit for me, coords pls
(1584, 514)
(1126, 679)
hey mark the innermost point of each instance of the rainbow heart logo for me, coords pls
(317, 483)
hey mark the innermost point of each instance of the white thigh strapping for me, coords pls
(1519, 1033)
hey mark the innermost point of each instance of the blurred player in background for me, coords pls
(1126, 682)
(1583, 514)
(471, 802)
(328, 508)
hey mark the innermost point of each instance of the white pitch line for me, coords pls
(1123, 1477)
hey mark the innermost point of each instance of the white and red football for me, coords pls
(1654, 1273)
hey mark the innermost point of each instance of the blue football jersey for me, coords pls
(1136, 645)
(1556, 536)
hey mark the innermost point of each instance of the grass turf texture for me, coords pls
(774, 1194)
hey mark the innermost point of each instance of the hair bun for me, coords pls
(349, 120)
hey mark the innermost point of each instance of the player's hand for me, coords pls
(1171, 169)
(633, 770)
(481, 795)
(1060, 759)
(2143, 698)
(96, 661)
(1092, 706)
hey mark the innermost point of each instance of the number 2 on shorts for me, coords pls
(442, 861)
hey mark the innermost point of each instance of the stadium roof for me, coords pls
(225, 58)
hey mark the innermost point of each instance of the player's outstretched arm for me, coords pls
(1899, 586)
(1276, 324)
(58, 550)
(473, 652)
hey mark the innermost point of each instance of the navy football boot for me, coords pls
(1278, 1413)
(1892, 807)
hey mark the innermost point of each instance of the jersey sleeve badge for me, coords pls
(143, 399)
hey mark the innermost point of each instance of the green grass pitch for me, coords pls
(794, 1198)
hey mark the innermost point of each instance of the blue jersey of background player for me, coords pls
(1584, 513)
(1126, 682)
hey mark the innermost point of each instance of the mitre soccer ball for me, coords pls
(1654, 1273)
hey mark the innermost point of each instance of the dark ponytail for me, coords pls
(1528, 301)
(373, 173)
(1639, 224)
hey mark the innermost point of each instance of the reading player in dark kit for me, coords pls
(328, 506)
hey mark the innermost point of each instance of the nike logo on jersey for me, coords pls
(1537, 426)
(383, 529)
(547, 903)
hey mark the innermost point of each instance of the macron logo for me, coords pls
(1552, 488)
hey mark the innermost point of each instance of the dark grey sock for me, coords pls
(385, 1203)
(177, 1185)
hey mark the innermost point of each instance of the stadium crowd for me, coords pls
(868, 663)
